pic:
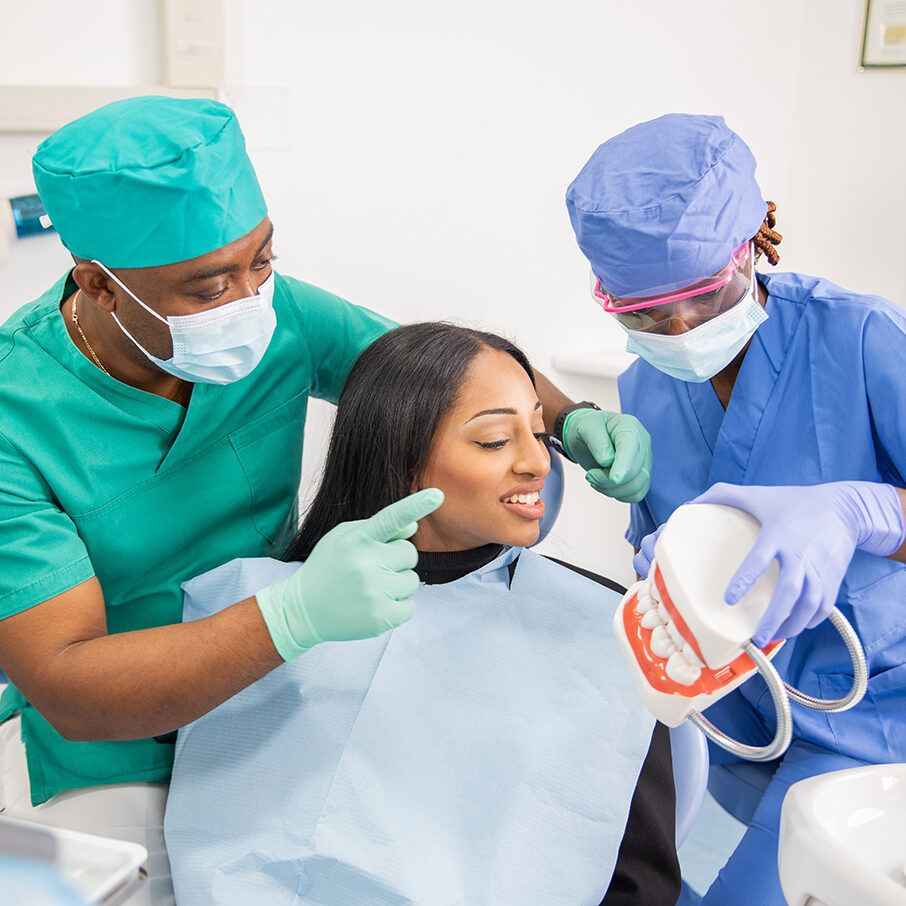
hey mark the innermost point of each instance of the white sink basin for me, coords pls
(843, 838)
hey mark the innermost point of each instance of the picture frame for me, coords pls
(884, 35)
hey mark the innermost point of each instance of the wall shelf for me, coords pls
(44, 108)
(604, 363)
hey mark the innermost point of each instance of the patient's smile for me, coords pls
(525, 502)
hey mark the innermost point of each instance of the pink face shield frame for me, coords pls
(709, 284)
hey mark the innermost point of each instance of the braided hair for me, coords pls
(766, 237)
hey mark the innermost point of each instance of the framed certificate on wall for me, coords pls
(884, 35)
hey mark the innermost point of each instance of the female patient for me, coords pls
(491, 750)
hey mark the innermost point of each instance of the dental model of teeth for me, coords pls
(682, 641)
(528, 499)
(683, 665)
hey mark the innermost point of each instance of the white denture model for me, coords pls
(688, 648)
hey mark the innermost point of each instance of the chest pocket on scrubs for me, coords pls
(269, 450)
(873, 730)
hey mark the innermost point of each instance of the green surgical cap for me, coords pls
(149, 181)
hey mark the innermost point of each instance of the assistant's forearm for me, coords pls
(552, 400)
(134, 685)
(900, 554)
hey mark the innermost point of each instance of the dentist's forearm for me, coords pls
(93, 686)
(133, 685)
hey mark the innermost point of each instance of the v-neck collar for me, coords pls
(164, 413)
(754, 387)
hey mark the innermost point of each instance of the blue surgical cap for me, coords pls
(149, 181)
(665, 203)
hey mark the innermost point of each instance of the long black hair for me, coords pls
(390, 407)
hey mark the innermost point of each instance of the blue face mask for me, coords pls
(697, 355)
(217, 346)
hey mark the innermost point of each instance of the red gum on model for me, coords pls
(654, 667)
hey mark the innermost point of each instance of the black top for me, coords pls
(647, 871)
(439, 567)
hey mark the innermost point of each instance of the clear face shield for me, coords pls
(673, 310)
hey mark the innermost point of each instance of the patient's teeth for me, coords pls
(691, 656)
(680, 670)
(650, 619)
(529, 499)
(661, 643)
(663, 613)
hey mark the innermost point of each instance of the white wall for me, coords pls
(415, 155)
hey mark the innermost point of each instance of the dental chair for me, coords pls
(690, 775)
(35, 883)
(551, 494)
(843, 838)
(48, 866)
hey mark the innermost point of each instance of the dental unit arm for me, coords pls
(687, 647)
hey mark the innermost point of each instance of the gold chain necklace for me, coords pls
(75, 320)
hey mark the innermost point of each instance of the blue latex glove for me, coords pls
(642, 560)
(812, 532)
(355, 584)
(614, 450)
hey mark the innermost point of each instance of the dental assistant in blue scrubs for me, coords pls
(783, 395)
(152, 408)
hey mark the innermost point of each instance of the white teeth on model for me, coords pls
(690, 655)
(643, 602)
(680, 670)
(528, 499)
(675, 634)
(661, 643)
(682, 664)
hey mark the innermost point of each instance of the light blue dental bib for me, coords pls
(485, 752)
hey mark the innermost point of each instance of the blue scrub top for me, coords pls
(820, 397)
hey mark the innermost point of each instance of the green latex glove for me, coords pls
(614, 450)
(357, 582)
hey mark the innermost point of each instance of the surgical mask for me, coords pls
(217, 346)
(698, 354)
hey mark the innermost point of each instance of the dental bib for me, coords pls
(688, 648)
(485, 752)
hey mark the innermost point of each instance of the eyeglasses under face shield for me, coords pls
(693, 305)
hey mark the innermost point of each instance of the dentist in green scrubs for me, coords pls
(152, 405)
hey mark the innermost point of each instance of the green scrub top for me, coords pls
(99, 478)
